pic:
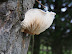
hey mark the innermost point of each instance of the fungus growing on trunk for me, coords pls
(37, 21)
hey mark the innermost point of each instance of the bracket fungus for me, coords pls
(37, 21)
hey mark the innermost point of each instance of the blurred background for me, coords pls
(58, 38)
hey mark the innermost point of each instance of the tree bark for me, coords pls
(36, 45)
(12, 40)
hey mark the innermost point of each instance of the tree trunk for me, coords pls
(36, 45)
(12, 40)
(57, 47)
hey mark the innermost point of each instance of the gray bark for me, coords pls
(12, 40)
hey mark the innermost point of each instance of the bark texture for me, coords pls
(12, 40)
